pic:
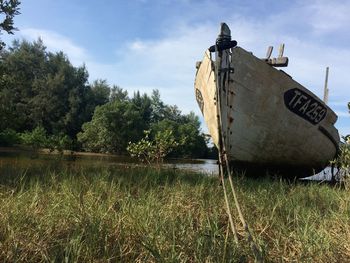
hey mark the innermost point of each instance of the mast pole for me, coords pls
(326, 90)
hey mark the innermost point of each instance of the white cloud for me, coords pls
(168, 63)
(56, 42)
(328, 16)
(137, 46)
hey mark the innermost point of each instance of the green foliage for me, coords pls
(9, 137)
(100, 92)
(123, 119)
(59, 143)
(36, 138)
(8, 9)
(343, 160)
(345, 154)
(186, 130)
(118, 94)
(153, 151)
(112, 126)
(40, 88)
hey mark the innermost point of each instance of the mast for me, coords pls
(326, 90)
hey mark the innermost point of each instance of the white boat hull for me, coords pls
(268, 119)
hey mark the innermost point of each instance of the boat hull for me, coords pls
(269, 120)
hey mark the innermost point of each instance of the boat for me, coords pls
(259, 116)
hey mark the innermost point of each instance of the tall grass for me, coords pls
(118, 214)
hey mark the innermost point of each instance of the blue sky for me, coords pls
(153, 44)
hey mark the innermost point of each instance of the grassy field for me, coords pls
(126, 214)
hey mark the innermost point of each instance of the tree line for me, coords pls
(48, 102)
(8, 10)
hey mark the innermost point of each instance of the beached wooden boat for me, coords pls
(261, 116)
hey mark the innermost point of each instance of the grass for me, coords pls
(133, 214)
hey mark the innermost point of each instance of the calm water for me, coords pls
(24, 160)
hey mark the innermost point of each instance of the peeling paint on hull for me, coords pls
(269, 120)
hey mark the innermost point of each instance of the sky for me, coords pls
(154, 44)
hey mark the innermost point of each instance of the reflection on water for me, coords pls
(206, 166)
(25, 160)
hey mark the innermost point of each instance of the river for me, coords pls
(24, 160)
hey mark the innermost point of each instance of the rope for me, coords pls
(233, 228)
(253, 245)
(221, 174)
(223, 157)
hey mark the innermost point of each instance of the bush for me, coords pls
(59, 143)
(343, 160)
(153, 151)
(36, 138)
(9, 137)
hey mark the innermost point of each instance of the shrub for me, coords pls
(343, 160)
(59, 143)
(36, 138)
(9, 137)
(153, 151)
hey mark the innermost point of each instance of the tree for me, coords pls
(142, 104)
(100, 92)
(20, 66)
(158, 107)
(112, 126)
(35, 139)
(8, 9)
(123, 120)
(186, 130)
(118, 93)
(40, 88)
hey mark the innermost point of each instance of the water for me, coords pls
(325, 175)
(207, 166)
(24, 159)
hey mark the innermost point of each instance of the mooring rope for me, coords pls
(223, 158)
(233, 228)
(253, 245)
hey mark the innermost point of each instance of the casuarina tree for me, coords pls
(8, 9)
